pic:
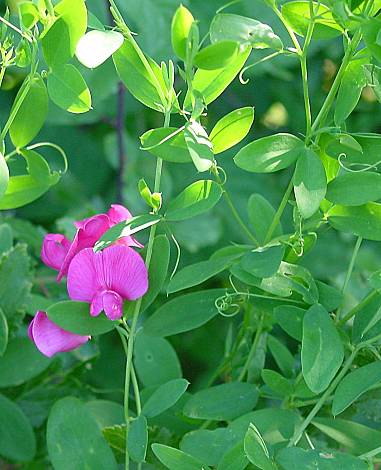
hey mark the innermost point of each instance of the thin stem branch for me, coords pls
(349, 273)
(134, 322)
(358, 307)
(293, 37)
(280, 211)
(119, 128)
(300, 430)
(15, 28)
(253, 349)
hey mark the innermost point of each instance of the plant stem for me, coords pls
(300, 430)
(371, 453)
(234, 211)
(293, 37)
(358, 307)
(134, 322)
(349, 273)
(119, 128)
(253, 349)
(280, 210)
(15, 28)
(15, 109)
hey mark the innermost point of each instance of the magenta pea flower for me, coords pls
(106, 278)
(54, 250)
(50, 338)
(57, 252)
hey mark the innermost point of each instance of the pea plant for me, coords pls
(300, 358)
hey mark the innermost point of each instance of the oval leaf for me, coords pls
(175, 459)
(310, 183)
(231, 129)
(181, 25)
(322, 349)
(216, 56)
(269, 154)
(75, 317)
(95, 47)
(355, 189)
(196, 199)
(164, 397)
(183, 313)
(68, 90)
(74, 439)
(166, 143)
(354, 385)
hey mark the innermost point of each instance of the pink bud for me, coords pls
(54, 249)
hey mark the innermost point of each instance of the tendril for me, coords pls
(366, 166)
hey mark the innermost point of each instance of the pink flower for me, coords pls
(51, 339)
(106, 278)
(89, 231)
(54, 249)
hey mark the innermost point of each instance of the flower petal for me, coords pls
(112, 305)
(82, 278)
(50, 339)
(54, 250)
(87, 235)
(123, 271)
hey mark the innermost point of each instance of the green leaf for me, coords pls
(246, 31)
(21, 362)
(199, 146)
(181, 25)
(364, 221)
(75, 317)
(330, 297)
(32, 113)
(261, 214)
(263, 262)
(256, 450)
(3, 333)
(234, 459)
(355, 189)
(351, 86)
(106, 413)
(290, 319)
(310, 183)
(95, 47)
(356, 438)
(68, 90)
(222, 402)
(116, 438)
(137, 73)
(354, 385)
(183, 313)
(373, 78)
(158, 270)
(74, 439)
(164, 397)
(231, 129)
(366, 324)
(322, 349)
(4, 175)
(61, 38)
(175, 459)
(138, 439)
(211, 83)
(297, 15)
(282, 356)
(126, 229)
(155, 360)
(269, 154)
(15, 284)
(17, 440)
(197, 273)
(294, 457)
(166, 143)
(29, 14)
(215, 56)
(207, 446)
(196, 199)
(277, 383)
(370, 29)
(6, 238)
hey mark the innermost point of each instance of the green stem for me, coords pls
(253, 349)
(321, 117)
(300, 430)
(280, 210)
(234, 211)
(371, 453)
(349, 273)
(358, 307)
(134, 322)
(293, 37)
(15, 28)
